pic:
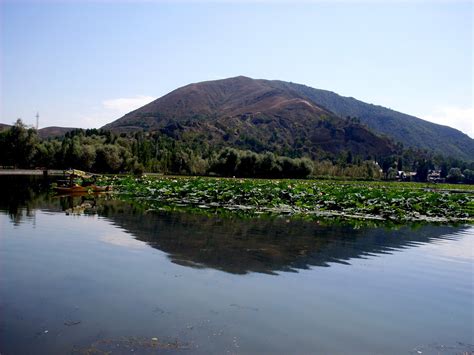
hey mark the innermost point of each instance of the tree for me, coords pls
(455, 175)
(468, 176)
(267, 166)
(391, 174)
(19, 145)
(227, 161)
(422, 170)
(400, 164)
(108, 159)
(247, 164)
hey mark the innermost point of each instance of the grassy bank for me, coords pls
(397, 202)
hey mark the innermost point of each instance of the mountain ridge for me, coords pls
(242, 95)
(252, 114)
(190, 109)
(418, 134)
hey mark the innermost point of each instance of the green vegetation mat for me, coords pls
(384, 201)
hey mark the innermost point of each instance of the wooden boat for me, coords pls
(71, 186)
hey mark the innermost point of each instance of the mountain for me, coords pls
(409, 130)
(253, 114)
(284, 117)
(54, 131)
(46, 132)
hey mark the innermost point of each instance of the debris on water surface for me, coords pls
(71, 323)
(444, 349)
(131, 344)
(158, 310)
(236, 344)
(244, 307)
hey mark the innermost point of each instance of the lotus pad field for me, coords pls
(396, 202)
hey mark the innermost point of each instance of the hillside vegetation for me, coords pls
(409, 130)
(105, 151)
(253, 114)
(289, 119)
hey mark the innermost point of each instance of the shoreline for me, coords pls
(47, 172)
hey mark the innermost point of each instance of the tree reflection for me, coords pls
(224, 242)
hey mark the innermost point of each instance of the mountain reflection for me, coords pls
(266, 245)
(228, 243)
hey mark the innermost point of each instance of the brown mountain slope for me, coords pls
(46, 132)
(228, 97)
(252, 114)
(54, 131)
(409, 130)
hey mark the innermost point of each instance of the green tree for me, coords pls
(19, 145)
(108, 159)
(226, 164)
(468, 176)
(422, 170)
(455, 175)
(391, 173)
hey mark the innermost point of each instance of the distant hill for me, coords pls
(253, 114)
(54, 131)
(46, 132)
(284, 117)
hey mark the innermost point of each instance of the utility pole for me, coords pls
(37, 120)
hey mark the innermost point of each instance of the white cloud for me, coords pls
(108, 110)
(93, 120)
(456, 117)
(124, 105)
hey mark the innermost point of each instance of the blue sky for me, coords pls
(84, 64)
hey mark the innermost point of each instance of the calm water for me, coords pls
(90, 276)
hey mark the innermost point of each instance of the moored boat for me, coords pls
(80, 182)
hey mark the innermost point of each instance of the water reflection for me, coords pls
(262, 245)
(83, 274)
(20, 196)
(231, 244)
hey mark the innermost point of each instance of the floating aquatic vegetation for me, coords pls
(398, 202)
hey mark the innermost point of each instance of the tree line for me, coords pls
(107, 152)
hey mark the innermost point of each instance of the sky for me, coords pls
(85, 63)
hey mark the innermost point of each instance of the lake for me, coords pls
(94, 275)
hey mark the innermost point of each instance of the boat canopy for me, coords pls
(78, 173)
